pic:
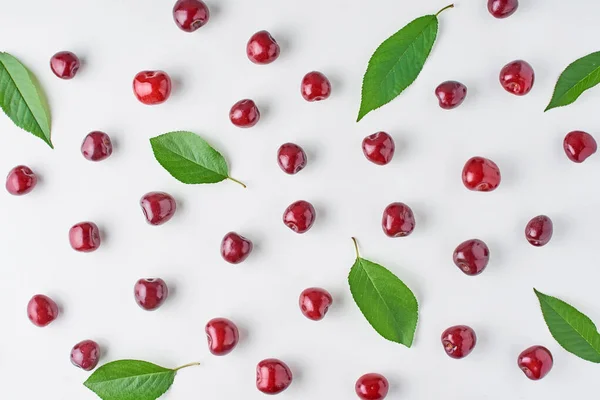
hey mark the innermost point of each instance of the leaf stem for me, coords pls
(356, 247)
(236, 181)
(193, 364)
(444, 9)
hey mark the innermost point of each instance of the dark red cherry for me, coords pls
(152, 87)
(20, 180)
(273, 376)
(158, 207)
(85, 237)
(299, 216)
(517, 77)
(372, 387)
(65, 64)
(262, 48)
(379, 148)
(472, 256)
(459, 341)
(398, 220)
(315, 87)
(481, 175)
(314, 303)
(190, 15)
(579, 146)
(539, 230)
(85, 355)
(235, 248)
(502, 8)
(291, 158)
(150, 293)
(451, 94)
(42, 310)
(244, 114)
(535, 362)
(222, 336)
(96, 146)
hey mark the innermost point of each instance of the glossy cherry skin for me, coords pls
(459, 341)
(84, 237)
(244, 114)
(158, 207)
(273, 376)
(152, 87)
(472, 256)
(379, 148)
(222, 336)
(315, 87)
(42, 310)
(372, 387)
(150, 293)
(299, 216)
(481, 175)
(291, 158)
(539, 231)
(96, 146)
(64, 64)
(535, 362)
(579, 146)
(451, 94)
(502, 8)
(20, 180)
(85, 355)
(314, 303)
(262, 48)
(189, 15)
(517, 77)
(398, 220)
(235, 248)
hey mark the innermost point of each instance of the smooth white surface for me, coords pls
(211, 72)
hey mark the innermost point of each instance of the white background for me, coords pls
(211, 72)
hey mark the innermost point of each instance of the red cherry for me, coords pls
(535, 362)
(299, 216)
(273, 376)
(517, 77)
(459, 341)
(158, 207)
(379, 148)
(262, 48)
(481, 175)
(222, 335)
(152, 87)
(315, 87)
(451, 94)
(150, 293)
(190, 15)
(41, 310)
(96, 146)
(579, 146)
(84, 237)
(235, 248)
(64, 64)
(502, 8)
(244, 114)
(372, 387)
(85, 355)
(398, 220)
(472, 256)
(314, 303)
(20, 180)
(539, 231)
(291, 158)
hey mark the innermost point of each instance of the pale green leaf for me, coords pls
(580, 76)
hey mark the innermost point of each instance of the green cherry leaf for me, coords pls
(22, 99)
(397, 62)
(386, 302)
(574, 331)
(580, 76)
(190, 159)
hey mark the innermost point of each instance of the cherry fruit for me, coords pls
(273, 376)
(158, 207)
(459, 341)
(262, 48)
(20, 180)
(579, 146)
(539, 231)
(222, 336)
(451, 94)
(299, 216)
(481, 175)
(96, 146)
(189, 15)
(535, 362)
(517, 77)
(244, 114)
(85, 355)
(379, 148)
(152, 87)
(398, 220)
(472, 256)
(314, 303)
(502, 8)
(235, 248)
(291, 158)
(64, 64)
(372, 387)
(315, 87)
(84, 237)
(42, 310)
(150, 293)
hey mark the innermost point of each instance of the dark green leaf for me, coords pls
(574, 331)
(22, 99)
(580, 76)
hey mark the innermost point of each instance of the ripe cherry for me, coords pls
(190, 15)
(41, 310)
(579, 146)
(372, 387)
(299, 216)
(502, 8)
(535, 362)
(152, 87)
(314, 303)
(539, 230)
(273, 376)
(64, 64)
(459, 341)
(451, 94)
(379, 148)
(222, 336)
(85, 355)
(315, 87)
(262, 48)
(96, 146)
(150, 293)
(235, 248)
(84, 237)
(244, 114)
(158, 207)
(517, 77)
(20, 180)
(472, 256)
(481, 175)
(398, 220)
(291, 158)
